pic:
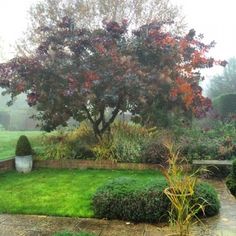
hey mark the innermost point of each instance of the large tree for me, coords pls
(80, 73)
(224, 83)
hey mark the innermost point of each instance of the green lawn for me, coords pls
(58, 192)
(8, 141)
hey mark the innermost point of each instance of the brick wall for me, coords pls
(8, 164)
(86, 164)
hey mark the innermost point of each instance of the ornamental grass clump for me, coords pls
(180, 192)
(23, 146)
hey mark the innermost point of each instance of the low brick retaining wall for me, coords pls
(8, 164)
(89, 164)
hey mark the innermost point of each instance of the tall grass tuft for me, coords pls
(183, 212)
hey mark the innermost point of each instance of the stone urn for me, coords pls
(23, 158)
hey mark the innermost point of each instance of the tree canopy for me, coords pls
(81, 72)
(91, 13)
(224, 83)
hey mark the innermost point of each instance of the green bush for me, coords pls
(231, 179)
(217, 142)
(225, 104)
(207, 196)
(66, 233)
(128, 199)
(23, 146)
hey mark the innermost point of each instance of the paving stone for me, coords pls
(121, 228)
(154, 230)
(123, 232)
(91, 225)
(4, 218)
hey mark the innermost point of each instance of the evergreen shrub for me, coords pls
(23, 146)
(129, 199)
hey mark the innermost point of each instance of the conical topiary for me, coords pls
(23, 147)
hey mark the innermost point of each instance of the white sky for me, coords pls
(13, 21)
(216, 19)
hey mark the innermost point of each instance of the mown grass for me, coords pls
(58, 192)
(8, 141)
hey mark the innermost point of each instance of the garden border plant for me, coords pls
(185, 207)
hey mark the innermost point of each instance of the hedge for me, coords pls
(127, 199)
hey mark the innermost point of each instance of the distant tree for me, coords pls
(225, 83)
(80, 73)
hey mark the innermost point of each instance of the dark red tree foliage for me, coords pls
(81, 73)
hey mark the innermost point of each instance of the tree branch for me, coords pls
(112, 118)
(88, 114)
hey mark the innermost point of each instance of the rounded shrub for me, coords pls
(225, 104)
(23, 146)
(128, 199)
(231, 179)
(207, 196)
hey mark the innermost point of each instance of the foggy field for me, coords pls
(8, 141)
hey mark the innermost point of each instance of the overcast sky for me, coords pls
(13, 21)
(214, 18)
